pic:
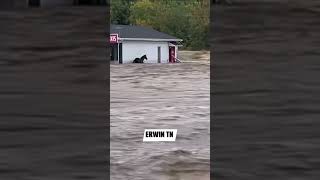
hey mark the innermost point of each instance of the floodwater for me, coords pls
(53, 91)
(265, 90)
(160, 96)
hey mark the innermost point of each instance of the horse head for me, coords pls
(144, 57)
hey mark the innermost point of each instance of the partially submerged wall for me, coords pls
(134, 49)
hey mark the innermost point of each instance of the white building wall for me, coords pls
(176, 51)
(134, 49)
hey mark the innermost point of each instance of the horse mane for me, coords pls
(140, 60)
(144, 56)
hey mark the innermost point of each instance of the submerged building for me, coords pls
(129, 42)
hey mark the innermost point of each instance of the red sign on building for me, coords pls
(114, 38)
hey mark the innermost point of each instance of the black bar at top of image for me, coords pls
(54, 91)
(265, 103)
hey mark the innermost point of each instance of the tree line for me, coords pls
(185, 19)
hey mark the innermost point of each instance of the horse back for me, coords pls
(136, 60)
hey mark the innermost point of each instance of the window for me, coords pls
(114, 52)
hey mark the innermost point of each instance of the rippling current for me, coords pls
(265, 85)
(53, 122)
(167, 96)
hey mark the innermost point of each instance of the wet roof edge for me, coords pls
(149, 39)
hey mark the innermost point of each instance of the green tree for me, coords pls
(185, 19)
(200, 12)
(120, 11)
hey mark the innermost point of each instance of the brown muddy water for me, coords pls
(167, 96)
(53, 91)
(265, 90)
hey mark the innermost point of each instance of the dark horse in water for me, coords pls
(140, 60)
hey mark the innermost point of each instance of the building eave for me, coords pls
(149, 39)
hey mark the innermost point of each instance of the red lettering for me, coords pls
(113, 38)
